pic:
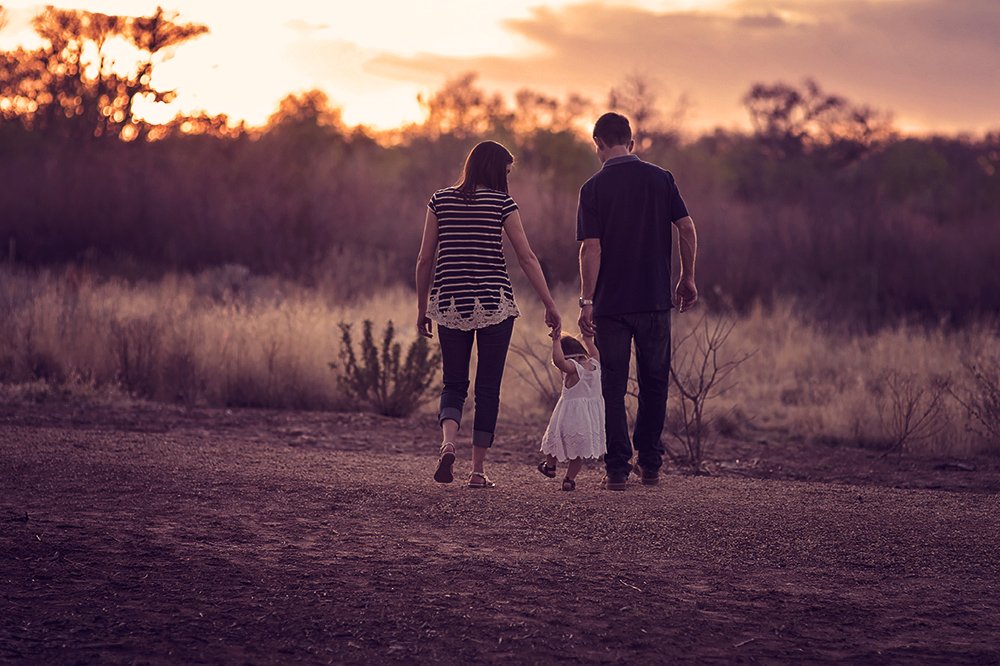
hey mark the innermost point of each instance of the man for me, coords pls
(623, 223)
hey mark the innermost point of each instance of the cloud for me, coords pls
(305, 28)
(932, 62)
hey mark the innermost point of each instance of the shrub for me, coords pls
(982, 400)
(700, 375)
(908, 410)
(378, 379)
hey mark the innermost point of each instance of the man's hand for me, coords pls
(686, 294)
(586, 321)
(424, 325)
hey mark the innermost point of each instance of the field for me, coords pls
(225, 338)
(168, 534)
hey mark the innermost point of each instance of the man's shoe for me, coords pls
(614, 482)
(648, 478)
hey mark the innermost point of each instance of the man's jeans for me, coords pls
(651, 332)
(456, 351)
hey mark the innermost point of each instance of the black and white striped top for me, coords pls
(471, 286)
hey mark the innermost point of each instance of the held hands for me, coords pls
(586, 321)
(687, 294)
(553, 320)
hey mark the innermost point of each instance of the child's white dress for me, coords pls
(576, 429)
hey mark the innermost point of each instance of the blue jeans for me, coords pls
(456, 351)
(615, 334)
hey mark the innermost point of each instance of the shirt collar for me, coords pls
(621, 160)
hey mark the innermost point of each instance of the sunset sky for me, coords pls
(934, 63)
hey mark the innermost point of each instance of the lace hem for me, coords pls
(480, 317)
(569, 445)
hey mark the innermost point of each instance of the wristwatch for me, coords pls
(586, 301)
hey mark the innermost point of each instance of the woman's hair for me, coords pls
(486, 166)
(571, 346)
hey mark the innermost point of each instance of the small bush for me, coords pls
(700, 374)
(137, 345)
(982, 400)
(909, 410)
(378, 379)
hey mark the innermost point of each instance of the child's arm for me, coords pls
(588, 341)
(558, 359)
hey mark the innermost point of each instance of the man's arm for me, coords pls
(687, 238)
(590, 266)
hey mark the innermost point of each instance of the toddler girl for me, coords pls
(576, 429)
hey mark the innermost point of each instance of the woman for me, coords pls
(471, 297)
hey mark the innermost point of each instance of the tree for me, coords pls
(638, 99)
(463, 110)
(792, 120)
(73, 85)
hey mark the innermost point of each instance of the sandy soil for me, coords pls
(148, 534)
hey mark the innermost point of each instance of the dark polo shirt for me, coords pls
(630, 206)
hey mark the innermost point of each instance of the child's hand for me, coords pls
(554, 334)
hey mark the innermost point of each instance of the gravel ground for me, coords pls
(156, 535)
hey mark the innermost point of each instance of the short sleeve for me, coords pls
(433, 203)
(509, 206)
(587, 223)
(676, 205)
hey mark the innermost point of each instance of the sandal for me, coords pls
(569, 484)
(544, 468)
(483, 482)
(443, 473)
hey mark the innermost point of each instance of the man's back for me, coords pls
(629, 205)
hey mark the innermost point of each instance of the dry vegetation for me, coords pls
(226, 338)
(829, 240)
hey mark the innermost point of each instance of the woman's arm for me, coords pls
(532, 269)
(558, 359)
(425, 263)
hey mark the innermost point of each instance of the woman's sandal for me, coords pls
(569, 484)
(544, 468)
(443, 473)
(483, 482)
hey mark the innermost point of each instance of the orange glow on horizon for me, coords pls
(373, 68)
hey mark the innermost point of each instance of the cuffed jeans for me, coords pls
(651, 333)
(456, 351)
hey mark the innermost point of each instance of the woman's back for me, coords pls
(471, 287)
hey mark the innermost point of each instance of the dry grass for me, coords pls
(227, 339)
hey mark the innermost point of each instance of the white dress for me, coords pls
(576, 429)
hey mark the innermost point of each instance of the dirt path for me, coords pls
(265, 539)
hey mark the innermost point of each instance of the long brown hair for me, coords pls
(486, 166)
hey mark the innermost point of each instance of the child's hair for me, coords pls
(571, 346)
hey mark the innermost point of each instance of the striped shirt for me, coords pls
(471, 286)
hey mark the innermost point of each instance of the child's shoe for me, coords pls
(544, 468)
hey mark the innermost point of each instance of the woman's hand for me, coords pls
(424, 325)
(552, 319)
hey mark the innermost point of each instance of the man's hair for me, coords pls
(613, 129)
